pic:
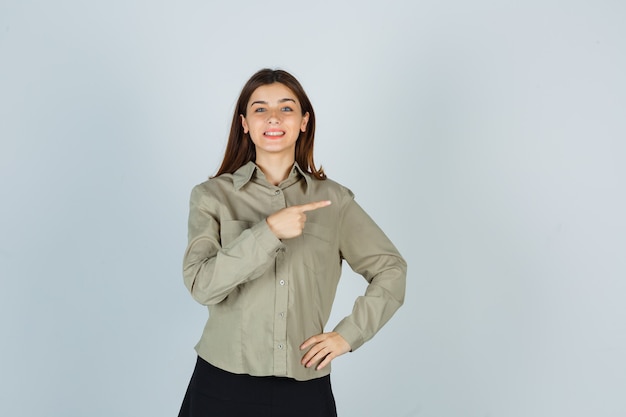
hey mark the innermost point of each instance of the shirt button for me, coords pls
(280, 346)
(282, 315)
(282, 282)
(277, 192)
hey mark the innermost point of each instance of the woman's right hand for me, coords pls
(289, 222)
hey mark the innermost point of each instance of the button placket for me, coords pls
(277, 198)
(280, 307)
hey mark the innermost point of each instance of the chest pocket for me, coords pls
(231, 230)
(319, 246)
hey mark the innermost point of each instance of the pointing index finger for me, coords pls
(314, 206)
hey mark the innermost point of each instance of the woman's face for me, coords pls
(274, 120)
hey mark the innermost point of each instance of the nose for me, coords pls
(273, 117)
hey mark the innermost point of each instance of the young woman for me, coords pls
(267, 236)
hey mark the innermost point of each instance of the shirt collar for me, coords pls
(244, 174)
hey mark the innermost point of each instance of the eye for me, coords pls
(286, 108)
(259, 110)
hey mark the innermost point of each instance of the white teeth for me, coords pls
(274, 133)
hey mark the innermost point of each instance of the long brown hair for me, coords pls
(240, 149)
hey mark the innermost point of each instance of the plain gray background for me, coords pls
(487, 138)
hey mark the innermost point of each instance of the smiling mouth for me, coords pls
(276, 134)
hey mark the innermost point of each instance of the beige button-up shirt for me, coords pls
(266, 296)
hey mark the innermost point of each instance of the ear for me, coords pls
(244, 124)
(305, 121)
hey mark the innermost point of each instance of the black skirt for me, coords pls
(215, 392)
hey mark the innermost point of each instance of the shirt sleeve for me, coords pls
(371, 254)
(211, 271)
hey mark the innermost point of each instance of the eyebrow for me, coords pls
(282, 100)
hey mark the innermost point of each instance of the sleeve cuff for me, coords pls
(264, 236)
(351, 333)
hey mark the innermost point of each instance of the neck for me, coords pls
(275, 168)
